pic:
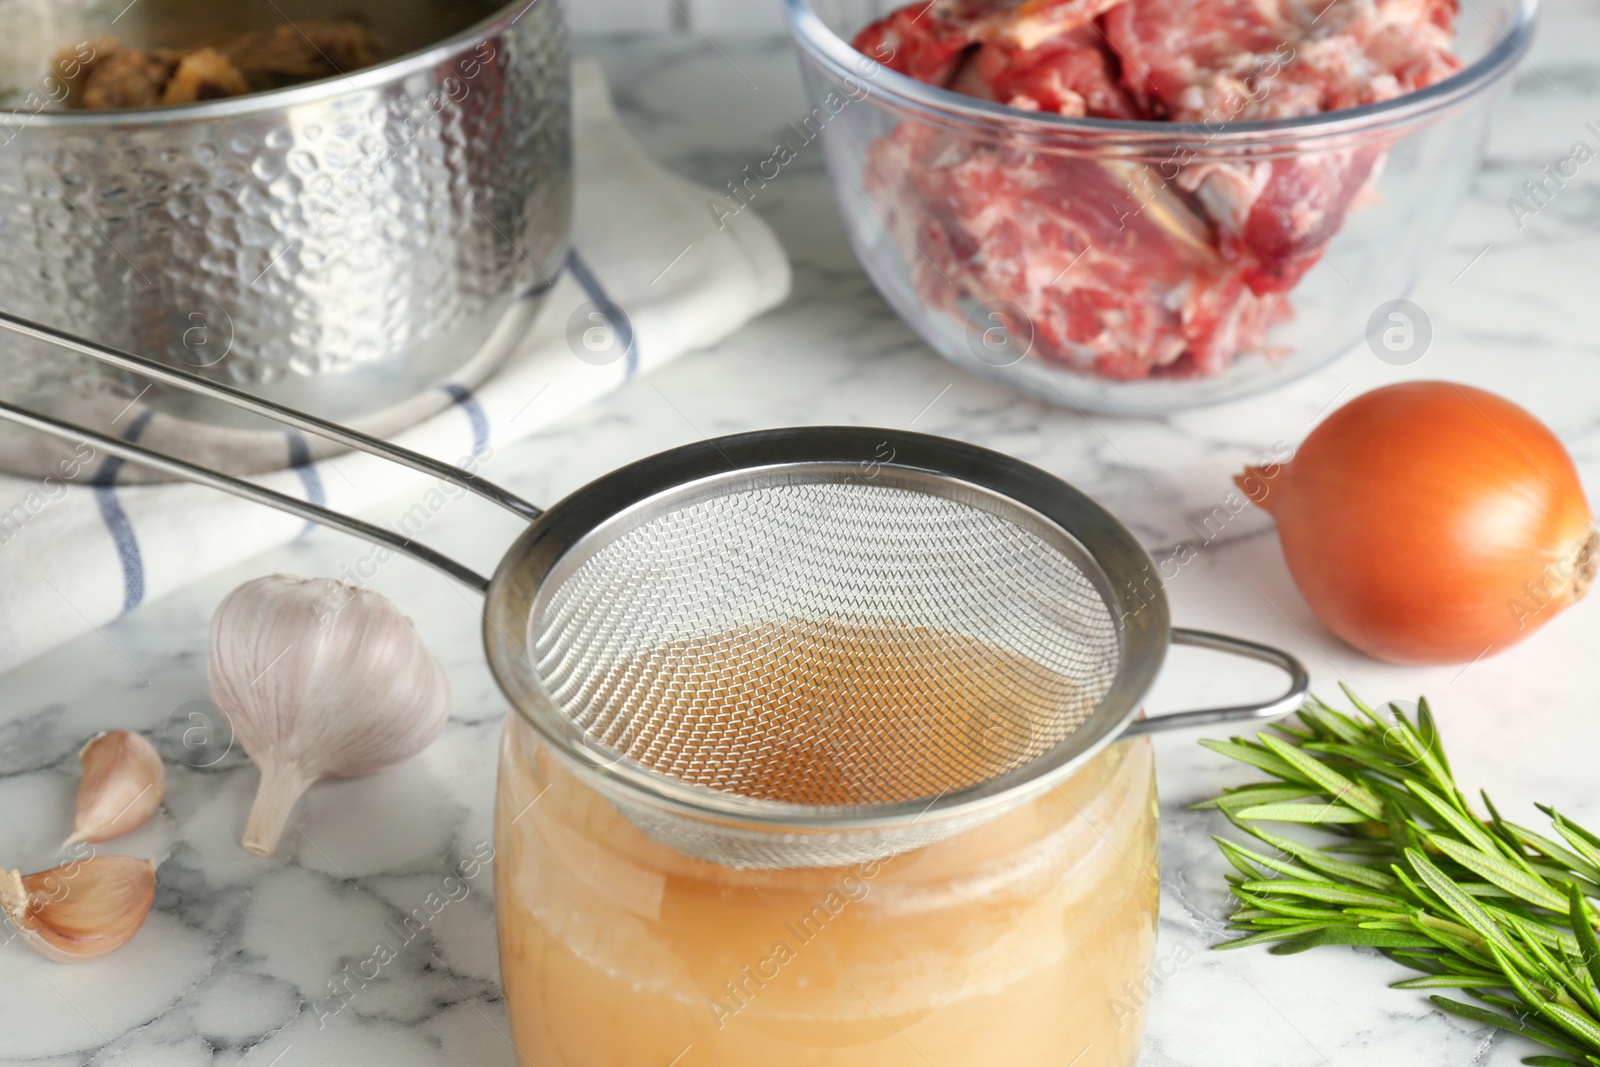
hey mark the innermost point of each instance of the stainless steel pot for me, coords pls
(342, 246)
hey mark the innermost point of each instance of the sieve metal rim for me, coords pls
(559, 540)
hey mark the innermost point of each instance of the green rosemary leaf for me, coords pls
(1362, 760)
(1244, 915)
(1466, 909)
(1473, 1013)
(1267, 938)
(1256, 756)
(1240, 864)
(1554, 1061)
(1502, 830)
(1487, 891)
(1333, 723)
(1501, 873)
(1583, 930)
(1301, 736)
(1555, 853)
(1321, 861)
(1557, 874)
(1402, 834)
(1279, 907)
(1361, 705)
(1580, 1024)
(1364, 847)
(1420, 893)
(1322, 891)
(1465, 828)
(1585, 842)
(1587, 835)
(1310, 814)
(1252, 795)
(1332, 782)
(1422, 744)
(1471, 951)
(1385, 924)
(1453, 981)
(1292, 870)
(1521, 1012)
(1556, 972)
(1576, 1024)
(1350, 935)
(1429, 729)
(1427, 960)
(1551, 937)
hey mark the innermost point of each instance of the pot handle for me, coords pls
(1292, 698)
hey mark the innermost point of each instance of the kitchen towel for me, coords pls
(653, 274)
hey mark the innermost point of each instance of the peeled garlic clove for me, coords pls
(319, 679)
(81, 910)
(123, 783)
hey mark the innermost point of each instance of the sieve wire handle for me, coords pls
(259, 405)
(1292, 698)
(258, 494)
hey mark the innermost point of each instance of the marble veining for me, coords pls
(277, 962)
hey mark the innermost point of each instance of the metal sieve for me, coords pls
(802, 647)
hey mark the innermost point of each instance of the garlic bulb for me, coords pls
(81, 910)
(123, 783)
(319, 679)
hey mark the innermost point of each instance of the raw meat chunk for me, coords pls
(1028, 24)
(1226, 60)
(1221, 61)
(1110, 286)
(1068, 74)
(925, 41)
(1274, 218)
(930, 39)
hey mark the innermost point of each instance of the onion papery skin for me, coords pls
(1431, 522)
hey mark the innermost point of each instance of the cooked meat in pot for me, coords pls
(119, 76)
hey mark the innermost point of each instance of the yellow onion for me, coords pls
(1430, 522)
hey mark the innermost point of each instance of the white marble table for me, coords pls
(235, 963)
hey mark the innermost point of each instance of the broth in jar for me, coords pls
(1009, 944)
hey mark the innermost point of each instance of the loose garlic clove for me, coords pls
(319, 679)
(81, 910)
(123, 784)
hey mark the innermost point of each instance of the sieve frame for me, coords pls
(590, 518)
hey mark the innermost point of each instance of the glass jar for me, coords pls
(1009, 945)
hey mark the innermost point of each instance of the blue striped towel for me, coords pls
(76, 554)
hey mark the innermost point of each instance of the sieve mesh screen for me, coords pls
(829, 644)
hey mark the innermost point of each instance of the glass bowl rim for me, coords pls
(819, 43)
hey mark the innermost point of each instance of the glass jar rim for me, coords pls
(822, 46)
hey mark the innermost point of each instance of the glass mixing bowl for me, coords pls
(905, 157)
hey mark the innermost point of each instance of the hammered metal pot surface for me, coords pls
(343, 247)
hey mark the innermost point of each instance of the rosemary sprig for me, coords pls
(1475, 903)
